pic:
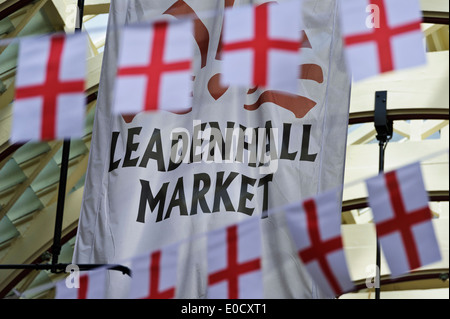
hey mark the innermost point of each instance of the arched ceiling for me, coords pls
(29, 174)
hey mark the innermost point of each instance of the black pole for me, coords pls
(384, 128)
(56, 248)
(79, 21)
(378, 252)
(62, 267)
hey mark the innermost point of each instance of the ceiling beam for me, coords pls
(21, 188)
(362, 162)
(38, 237)
(28, 16)
(435, 11)
(8, 7)
(96, 7)
(420, 92)
(73, 177)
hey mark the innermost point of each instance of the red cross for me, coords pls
(82, 291)
(51, 88)
(234, 270)
(382, 36)
(157, 66)
(261, 44)
(155, 266)
(403, 220)
(319, 249)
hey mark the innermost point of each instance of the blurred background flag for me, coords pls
(382, 35)
(261, 44)
(154, 62)
(234, 261)
(154, 274)
(316, 231)
(50, 101)
(85, 285)
(399, 203)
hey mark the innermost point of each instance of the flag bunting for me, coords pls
(156, 59)
(234, 258)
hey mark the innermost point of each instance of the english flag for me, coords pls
(50, 82)
(382, 35)
(86, 285)
(154, 275)
(154, 62)
(234, 262)
(316, 232)
(399, 203)
(261, 45)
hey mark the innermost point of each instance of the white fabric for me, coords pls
(109, 230)
(402, 12)
(64, 292)
(26, 121)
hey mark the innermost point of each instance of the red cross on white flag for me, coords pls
(154, 275)
(382, 35)
(154, 68)
(261, 46)
(234, 262)
(50, 82)
(400, 209)
(83, 285)
(315, 227)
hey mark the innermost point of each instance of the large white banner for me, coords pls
(162, 178)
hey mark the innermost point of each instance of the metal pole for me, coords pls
(56, 248)
(384, 128)
(79, 22)
(378, 253)
(62, 267)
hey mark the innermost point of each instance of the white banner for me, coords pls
(160, 178)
